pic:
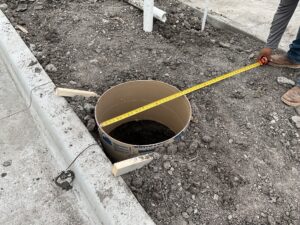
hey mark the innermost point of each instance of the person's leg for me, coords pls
(294, 52)
(292, 96)
(292, 58)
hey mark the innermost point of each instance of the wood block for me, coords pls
(132, 164)
(67, 92)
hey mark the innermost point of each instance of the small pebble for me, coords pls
(91, 124)
(296, 121)
(271, 220)
(284, 80)
(248, 125)
(207, 139)
(50, 68)
(3, 6)
(87, 117)
(181, 146)
(251, 56)
(156, 196)
(38, 7)
(216, 197)
(230, 141)
(73, 82)
(7, 163)
(155, 169)
(193, 190)
(185, 215)
(156, 155)
(190, 210)
(32, 47)
(194, 145)
(294, 142)
(224, 45)
(172, 149)
(89, 107)
(263, 214)
(138, 183)
(21, 7)
(167, 165)
(229, 217)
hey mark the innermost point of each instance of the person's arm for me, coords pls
(281, 19)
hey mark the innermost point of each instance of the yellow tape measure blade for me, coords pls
(179, 94)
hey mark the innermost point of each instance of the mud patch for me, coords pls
(142, 132)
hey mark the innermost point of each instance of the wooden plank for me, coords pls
(132, 164)
(67, 92)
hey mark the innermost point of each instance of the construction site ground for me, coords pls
(239, 160)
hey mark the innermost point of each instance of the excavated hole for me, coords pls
(142, 132)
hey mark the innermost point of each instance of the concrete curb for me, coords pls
(109, 198)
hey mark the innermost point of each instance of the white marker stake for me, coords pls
(148, 15)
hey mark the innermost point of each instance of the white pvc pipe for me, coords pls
(148, 15)
(204, 15)
(157, 13)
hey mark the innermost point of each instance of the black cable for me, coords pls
(66, 177)
(80, 154)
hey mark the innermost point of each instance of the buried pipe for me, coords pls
(157, 13)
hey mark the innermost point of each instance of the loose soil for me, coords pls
(142, 132)
(239, 161)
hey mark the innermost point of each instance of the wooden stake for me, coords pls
(67, 92)
(132, 164)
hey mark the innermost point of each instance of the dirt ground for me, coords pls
(239, 161)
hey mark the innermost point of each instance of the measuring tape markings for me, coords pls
(180, 93)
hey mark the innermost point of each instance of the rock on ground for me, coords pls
(284, 80)
(3, 6)
(296, 120)
(50, 68)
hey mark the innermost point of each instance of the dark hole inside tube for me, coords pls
(142, 132)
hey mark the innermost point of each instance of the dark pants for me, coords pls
(294, 52)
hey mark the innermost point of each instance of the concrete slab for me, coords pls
(10, 99)
(253, 16)
(27, 193)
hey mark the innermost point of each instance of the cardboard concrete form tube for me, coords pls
(124, 97)
(157, 13)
